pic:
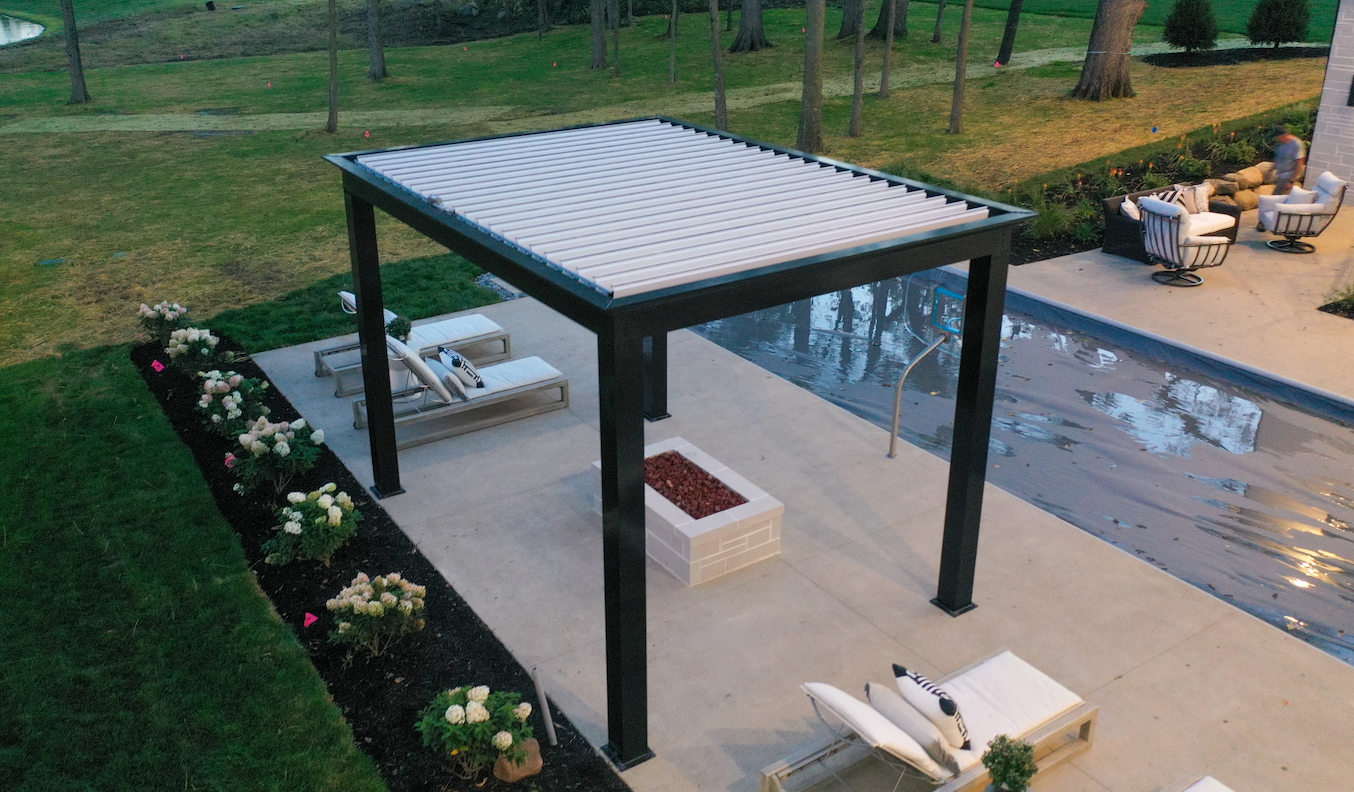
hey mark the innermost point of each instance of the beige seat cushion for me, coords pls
(1205, 223)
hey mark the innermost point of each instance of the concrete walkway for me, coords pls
(1186, 683)
(1259, 307)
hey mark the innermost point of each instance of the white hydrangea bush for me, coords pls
(471, 726)
(312, 526)
(372, 613)
(274, 453)
(160, 320)
(230, 402)
(191, 348)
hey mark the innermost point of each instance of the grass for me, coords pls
(1230, 14)
(139, 653)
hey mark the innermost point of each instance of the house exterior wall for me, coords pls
(1333, 140)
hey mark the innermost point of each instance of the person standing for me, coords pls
(1290, 160)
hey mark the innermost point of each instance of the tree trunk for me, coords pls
(811, 106)
(542, 18)
(79, 95)
(1008, 38)
(892, 6)
(721, 112)
(331, 125)
(1105, 73)
(629, 13)
(598, 36)
(851, 19)
(940, 17)
(672, 43)
(857, 127)
(728, 16)
(751, 31)
(898, 11)
(378, 50)
(960, 71)
(616, 34)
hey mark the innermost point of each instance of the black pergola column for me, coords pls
(656, 377)
(620, 379)
(371, 335)
(972, 429)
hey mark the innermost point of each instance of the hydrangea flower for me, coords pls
(479, 693)
(522, 711)
(455, 714)
(475, 712)
(502, 741)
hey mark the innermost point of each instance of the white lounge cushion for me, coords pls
(513, 374)
(452, 331)
(1329, 188)
(1198, 241)
(1208, 784)
(418, 367)
(935, 703)
(1129, 208)
(1301, 208)
(1208, 222)
(1159, 207)
(349, 302)
(909, 719)
(1006, 695)
(873, 728)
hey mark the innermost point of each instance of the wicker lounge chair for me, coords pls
(1302, 214)
(1000, 695)
(1180, 242)
(465, 334)
(512, 390)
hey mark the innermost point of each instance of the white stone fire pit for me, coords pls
(700, 550)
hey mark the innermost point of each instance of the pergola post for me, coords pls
(371, 335)
(656, 377)
(620, 379)
(972, 429)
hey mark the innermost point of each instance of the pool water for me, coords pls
(1243, 496)
(13, 29)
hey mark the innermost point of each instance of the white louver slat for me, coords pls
(635, 207)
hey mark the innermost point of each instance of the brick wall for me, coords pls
(1333, 140)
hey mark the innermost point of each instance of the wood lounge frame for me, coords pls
(1059, 740)
(420, 405)
(632, 321)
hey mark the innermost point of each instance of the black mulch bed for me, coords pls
(1230, 57)
(1343, 308)
(380, 698)
(1025, 250)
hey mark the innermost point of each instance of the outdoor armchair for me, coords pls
(462, 333)
(1123, 234)
(1302, 213)
(1181, 242)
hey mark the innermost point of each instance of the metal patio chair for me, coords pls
(1293, 221)
(1173, 240)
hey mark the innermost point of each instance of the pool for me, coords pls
(1237, 484)
(13, 29)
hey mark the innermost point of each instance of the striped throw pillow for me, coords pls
(935, 704)
(461, 367)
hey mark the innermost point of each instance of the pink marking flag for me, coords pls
(230, 460)
(367, 133)
(157, 365)
(311, 619)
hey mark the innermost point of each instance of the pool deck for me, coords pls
(1186, 683)
(1259, 307)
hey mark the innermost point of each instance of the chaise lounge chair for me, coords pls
(511, 390)
(1000, 695)
(458, 333)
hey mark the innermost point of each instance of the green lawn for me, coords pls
(139, 652)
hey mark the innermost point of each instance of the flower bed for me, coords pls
(380, 696)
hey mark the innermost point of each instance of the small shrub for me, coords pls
(374, 613)
(399, 327)
(470, 727)
(1054, 220)
(1277, 22)
(1010, 763)
(1087, 232)
(313, 527)
(191, 349)
(1193, 167)
(1155, 181)
(274, 452)
(230, 402)
(1191, 25)
(159, 321)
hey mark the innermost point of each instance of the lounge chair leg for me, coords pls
(1177, 277)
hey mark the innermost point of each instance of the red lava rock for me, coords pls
(690, 488)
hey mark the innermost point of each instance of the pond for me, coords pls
(1241, 494)
(13, 29)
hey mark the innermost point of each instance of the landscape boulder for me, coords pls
(1226, 199)
(1246, 178)
(1246, 199)
(1222, 186)
(1266, 171)
(468, 10)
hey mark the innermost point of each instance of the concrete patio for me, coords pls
(1186, 683)
(1259, 307)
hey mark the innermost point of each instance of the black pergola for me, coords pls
(461, 195)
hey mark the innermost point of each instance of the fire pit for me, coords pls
(731, 536)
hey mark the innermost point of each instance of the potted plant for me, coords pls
(1010, 763)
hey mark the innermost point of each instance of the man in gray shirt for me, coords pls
(1290, 160)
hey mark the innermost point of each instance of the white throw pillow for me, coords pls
(933, 702)
(1300, 196)
(874, 728)
(1183, 194)
(1202, 192)
(1129, 208)
(461, 367)
(918, 726)
(448, 376)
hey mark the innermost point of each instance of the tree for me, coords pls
(331, 125)
(811, 106)
(1008, 37)
(857, 127)
(961, 71)
(721, 112)
(851, 19)
(378, 51)
(1191, 25)
(1104, 75)
(598, 36)
(728, 16)
(616, 34)
(672, 42)
(898, 11)
(79, 95)
(542, 18)
(751, 32)
(889, 23)
(1278, 21)
(940, 17)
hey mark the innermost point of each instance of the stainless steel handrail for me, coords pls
(898, 391)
